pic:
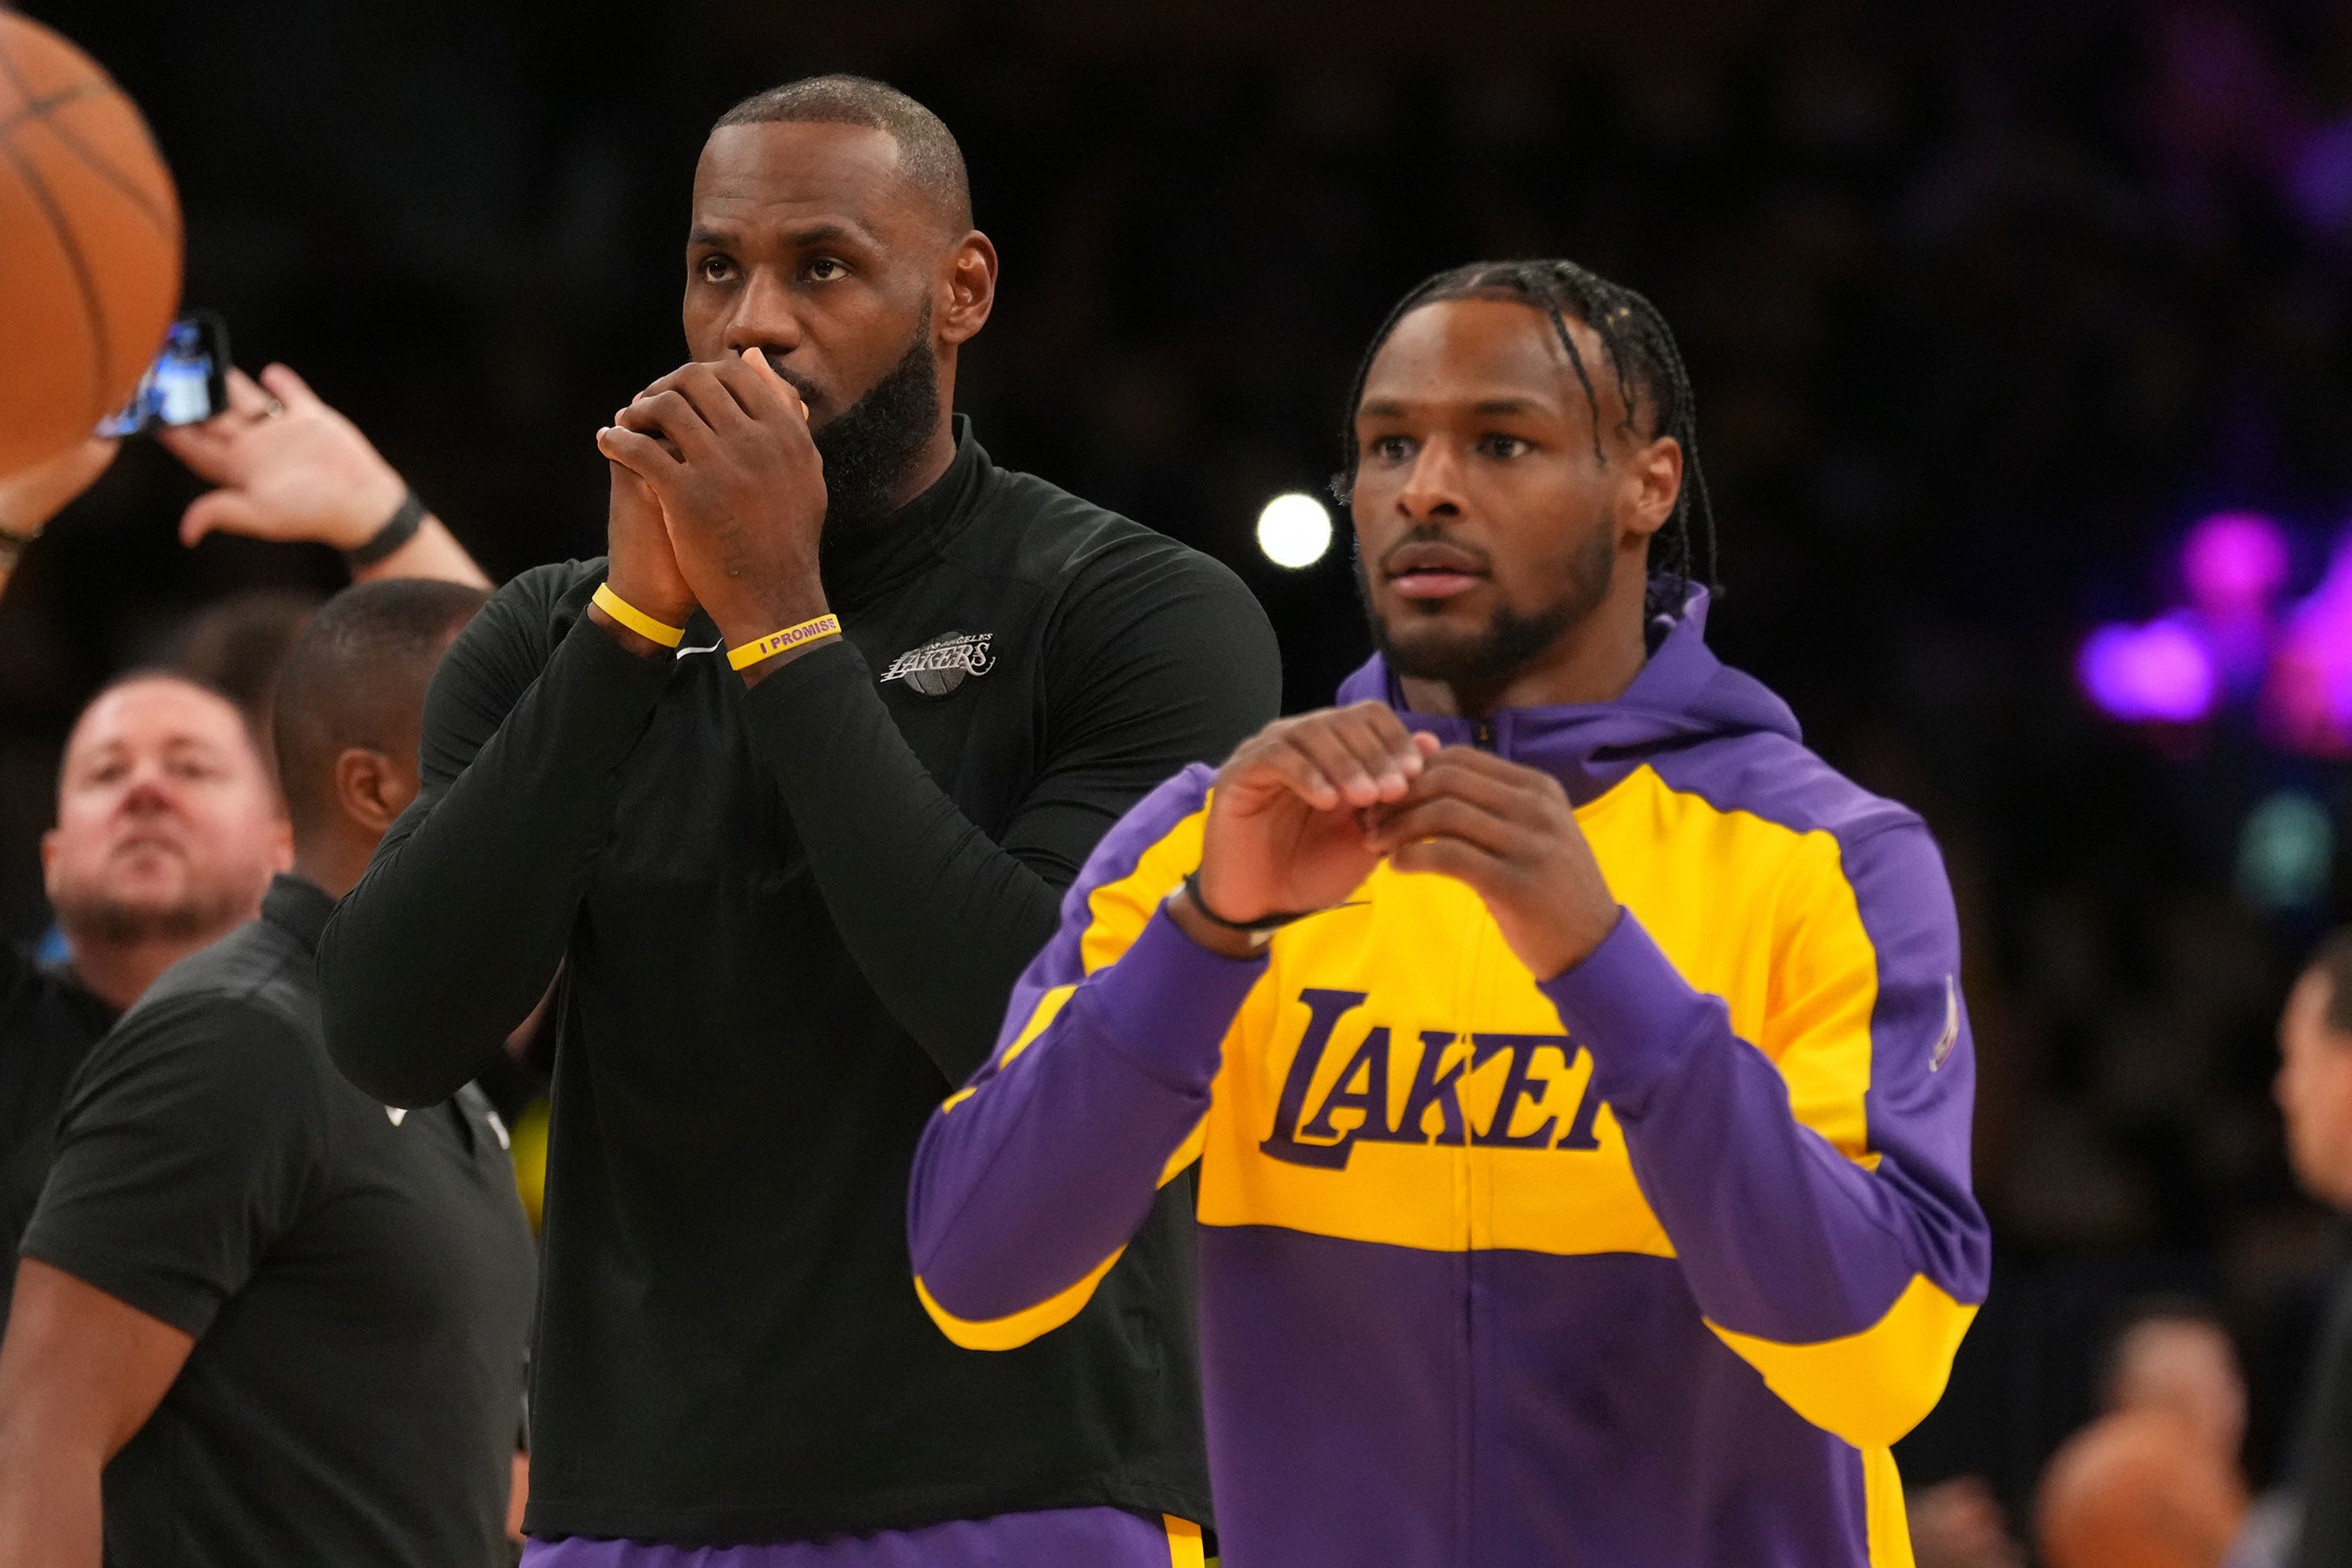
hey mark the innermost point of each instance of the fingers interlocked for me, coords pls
(1472, 798)
(682, 417)
(1359, 756)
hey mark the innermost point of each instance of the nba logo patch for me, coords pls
(1951, 1035)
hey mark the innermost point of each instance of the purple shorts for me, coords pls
(1063, 1538)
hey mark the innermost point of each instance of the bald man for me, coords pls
(260, 1317)
(791, 784)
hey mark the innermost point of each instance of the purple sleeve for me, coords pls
(1031, 1179)
(1782, 1237)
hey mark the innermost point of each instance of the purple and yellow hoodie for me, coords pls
(1644, 1265)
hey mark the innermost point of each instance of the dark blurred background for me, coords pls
(1986, 306)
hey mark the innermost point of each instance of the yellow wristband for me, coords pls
(789, 637)
(634, 618)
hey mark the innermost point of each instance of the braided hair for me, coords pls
(1650, 376)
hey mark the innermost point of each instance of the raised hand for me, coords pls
(725, 449)
(1285, 833)
(292, 469)
(288, 467)
(1509, 833)
(639, 563)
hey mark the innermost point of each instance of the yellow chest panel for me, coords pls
(1397, 1077)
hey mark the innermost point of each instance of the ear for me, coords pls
(371, 789)
(967, 290)
(1654, 483)
(49, 859)
(281, 845)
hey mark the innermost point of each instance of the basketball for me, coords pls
(2134, 1490)
(89, 244)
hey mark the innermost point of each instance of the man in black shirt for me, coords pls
(789, 903)
(168, 826)
(168, 831)
(284, 1323)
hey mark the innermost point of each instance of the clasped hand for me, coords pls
(1307, 807)
(718, 498)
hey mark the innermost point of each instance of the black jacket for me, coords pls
(788, 920)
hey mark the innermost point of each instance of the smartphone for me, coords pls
(188, 385)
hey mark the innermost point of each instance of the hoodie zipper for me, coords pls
(1480, 1194)
(1466, 1545)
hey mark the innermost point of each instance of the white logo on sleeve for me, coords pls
(1951, 1035)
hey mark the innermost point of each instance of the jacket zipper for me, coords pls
(1482, 735)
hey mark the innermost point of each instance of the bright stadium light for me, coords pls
(1294, 531)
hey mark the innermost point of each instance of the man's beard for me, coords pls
(872, 446)
(1489, 659)
(199, 916)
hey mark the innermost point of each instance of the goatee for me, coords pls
(872, 446)
(114, 922)
(1487, 659)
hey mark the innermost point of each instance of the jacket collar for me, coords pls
(297, 907)
(859, 567)
(1683, 695)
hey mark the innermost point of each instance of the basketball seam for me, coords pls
(40, 109)
(83, 280)
(35, 108)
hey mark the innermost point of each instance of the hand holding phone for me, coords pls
(186, 384)
(290, 467)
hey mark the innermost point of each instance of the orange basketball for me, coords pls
(89, 244)
(2134, 1490)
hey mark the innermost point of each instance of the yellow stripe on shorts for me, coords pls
(1183, 1542)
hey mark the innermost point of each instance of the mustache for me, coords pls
(1431, 534)
(793, 379)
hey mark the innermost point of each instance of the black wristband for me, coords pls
(1263, 923)
(398, 531)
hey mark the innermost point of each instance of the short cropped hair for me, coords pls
(926, 148)
(356, 676)
(140, 674)
(234, 645)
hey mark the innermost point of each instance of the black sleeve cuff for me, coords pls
(185, 1304)
(801, 707)
(606, 690)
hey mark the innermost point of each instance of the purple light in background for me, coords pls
(2234, 564)
(2307, 701)
(2161, 672)
(2319, 177)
